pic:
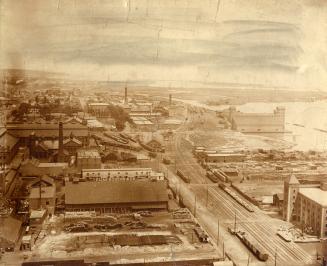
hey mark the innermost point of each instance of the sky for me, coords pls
(175, 43)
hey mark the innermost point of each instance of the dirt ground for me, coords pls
(258, 189)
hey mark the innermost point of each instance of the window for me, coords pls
(47, 202)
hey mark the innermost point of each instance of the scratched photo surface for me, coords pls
(163, 132)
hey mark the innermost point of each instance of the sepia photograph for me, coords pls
(163, 132)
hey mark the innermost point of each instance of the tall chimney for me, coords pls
(170, 99)
(125, 99)
(61, 143)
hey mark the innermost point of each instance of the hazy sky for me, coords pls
(275, 43)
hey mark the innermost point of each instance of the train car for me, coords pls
(238, 199)
(254, 248)
(212, 177)
(183, 177)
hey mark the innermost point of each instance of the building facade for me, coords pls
(306, 206)
(258, 122)
(120, 174)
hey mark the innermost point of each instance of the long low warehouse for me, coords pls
(116, 196)
(224, 158)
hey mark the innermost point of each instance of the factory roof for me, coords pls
(46, 129)
(63, 165)
(10, 229)
(88, 153)
(224, 154)
(137, 122)
(172, 122)
(116, 169)
(99, 104)
(116, 192)
(315, 194)
(6, 140)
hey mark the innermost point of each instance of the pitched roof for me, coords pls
(7, 140)
(46, 129)
(47, 180)
(116, 192)
(73, 140)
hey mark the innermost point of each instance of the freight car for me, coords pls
(254, 248)
(238, 199)
(212, 176)
(183, 176)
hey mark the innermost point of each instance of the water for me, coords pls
(311, 115)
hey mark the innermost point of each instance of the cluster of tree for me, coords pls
(120, 115)
(19, 113)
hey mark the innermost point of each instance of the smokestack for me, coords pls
(31, 144)
(61, 143)
(170, 99)
(125, 99)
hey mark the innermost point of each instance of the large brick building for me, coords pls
(258, 122)
(306, 205)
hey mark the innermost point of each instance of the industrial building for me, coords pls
(258, 122)
(223, 157)
(306, 205)
(116, 196)
(88, 159)
(120, 174)
(48, 130)
(8, 147)
(99, 109)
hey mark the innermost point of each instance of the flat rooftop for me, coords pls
(315, 194)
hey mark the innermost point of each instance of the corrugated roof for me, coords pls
(116, 192)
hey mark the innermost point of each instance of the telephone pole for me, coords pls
(194, 206)
(235, 223)
(207, 197)
(217, 232)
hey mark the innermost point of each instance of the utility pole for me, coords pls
(275, 257)
(248, 260)
(235, 223)
(223, 250)
(207, 197)
(194, 206)
(217, 232)
(40, 191)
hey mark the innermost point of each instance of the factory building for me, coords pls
(223, 157)
(88, 159)
(47, 131)
(8, 147)
(258, 122)
(120, 174)
(306, 205)
(116, 196)
(99, 109)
